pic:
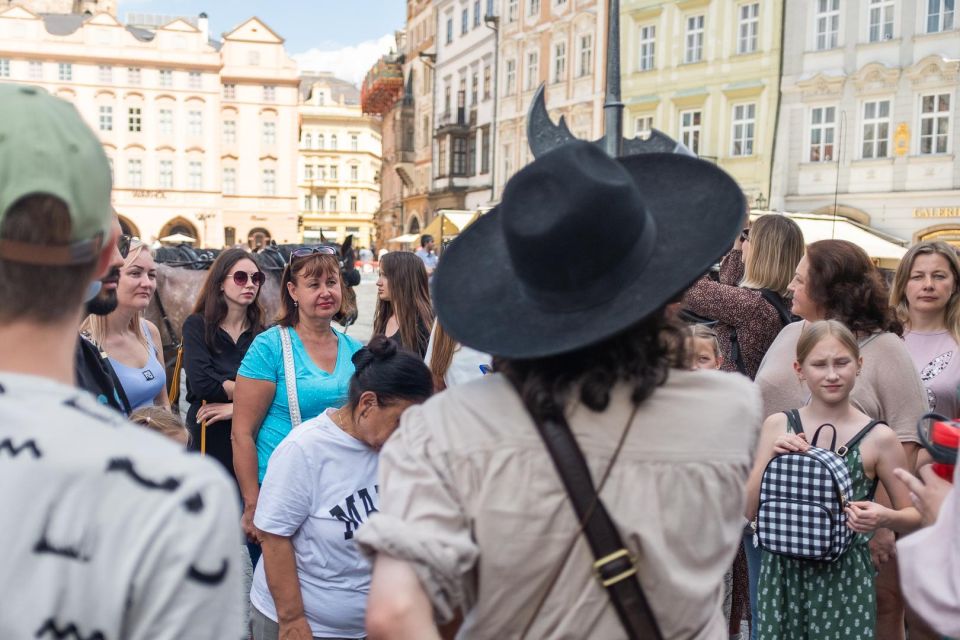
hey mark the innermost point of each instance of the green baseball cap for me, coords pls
(46, 148)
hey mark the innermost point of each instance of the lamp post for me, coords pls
(760, 202)
(493, 22)
(203, 216)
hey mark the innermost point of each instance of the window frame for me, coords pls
(693, 38)
(830, 19)
(531, 75)
(941, 17)
(105, 117)
(694, 129)
(824, 127)
(748, 28)
(746, 122)
(880, 7)
(647, 47)
(875, 123)
(165, 178)
(559, 66)
(585, 54)
(935, 117)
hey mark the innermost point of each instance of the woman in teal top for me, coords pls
(310, 298)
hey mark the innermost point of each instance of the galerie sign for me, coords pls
(936, 212)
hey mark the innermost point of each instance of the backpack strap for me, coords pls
(852, 442)
(793, 421)
(778, 303)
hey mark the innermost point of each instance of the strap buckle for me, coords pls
(600, 567)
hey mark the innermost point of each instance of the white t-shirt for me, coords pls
(464, 365)
(108, 528)
(321, 484)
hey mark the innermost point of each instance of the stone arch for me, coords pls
(949, 232)
(413, 224)
(179, 225)
(258, 237)
(857, 215)
(128, 227)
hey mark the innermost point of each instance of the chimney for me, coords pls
(204, 25)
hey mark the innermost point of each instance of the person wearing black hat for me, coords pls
(474, 520)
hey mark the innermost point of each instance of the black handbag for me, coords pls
(614, 566)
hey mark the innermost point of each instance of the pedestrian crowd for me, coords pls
(537, 442)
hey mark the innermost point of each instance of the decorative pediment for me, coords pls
(934, 70)
(821, 84)
(875, 78)
(103, 19)
(254, 30)
(17, 12)
(180, 25)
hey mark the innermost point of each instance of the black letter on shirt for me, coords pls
(351, 524)
(367, 502)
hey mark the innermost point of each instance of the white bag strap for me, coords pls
(290, 376)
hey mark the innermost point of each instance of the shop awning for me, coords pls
(406, 238)
(448, 224)
(885, 249)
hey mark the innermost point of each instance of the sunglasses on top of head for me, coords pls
(123, 244)
(305, 252)
(240, 278)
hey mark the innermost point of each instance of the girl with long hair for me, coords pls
(216, 336)
(131, 342)
(813, 599)
(452, 363)
(925, 299)
(264, 407)
(403, 309)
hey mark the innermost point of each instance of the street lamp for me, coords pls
(493, 22)
(760, 202)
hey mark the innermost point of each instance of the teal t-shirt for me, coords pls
(317, 390)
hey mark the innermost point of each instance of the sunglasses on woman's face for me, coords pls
(309, 251)
(240, 278)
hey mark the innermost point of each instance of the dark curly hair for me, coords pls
(844, 282)
(640, 355)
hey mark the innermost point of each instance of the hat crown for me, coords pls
(570, 220)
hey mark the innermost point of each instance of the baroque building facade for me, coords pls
(706, 72)
(868, 116)
(558, 43)
(201, 133)
(339, 162)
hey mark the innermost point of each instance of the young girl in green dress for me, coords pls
(804, 599)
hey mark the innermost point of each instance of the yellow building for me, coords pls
(706, 72)
(339, 164)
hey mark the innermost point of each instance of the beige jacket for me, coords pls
(470, 498)
(888, 388)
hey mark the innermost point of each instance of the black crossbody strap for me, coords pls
(793, 421)
(849, 444)
(615, 567)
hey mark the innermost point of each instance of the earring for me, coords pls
(296, 304)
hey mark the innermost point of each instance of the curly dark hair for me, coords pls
(640, 355)
(845, 283)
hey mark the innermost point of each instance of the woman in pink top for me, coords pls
(925, 298)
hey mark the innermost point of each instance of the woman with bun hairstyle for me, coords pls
(924, 297)
(836, 280)
(403, 301)
(321, 485)
(264, 407)
(226, 318)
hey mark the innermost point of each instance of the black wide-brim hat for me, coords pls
(583, 246)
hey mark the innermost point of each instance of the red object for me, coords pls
(945, 436)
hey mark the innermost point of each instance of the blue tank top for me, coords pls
(142, 384)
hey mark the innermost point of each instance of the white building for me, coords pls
(201, 133)
(869, 109)
(463, 105)
(339, 165)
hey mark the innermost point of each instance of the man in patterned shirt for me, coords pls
(109, 531)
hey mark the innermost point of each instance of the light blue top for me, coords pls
(142, 384)
(316, 389)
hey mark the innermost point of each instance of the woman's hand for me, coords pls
(296, 629)
(865, 516)
(215, 412)
(883, 547)
(246, 523)
(927, 496)
(790, 443)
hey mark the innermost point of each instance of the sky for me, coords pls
(342, 36)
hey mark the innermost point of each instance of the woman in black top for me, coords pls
(403, 308)
(227, 317)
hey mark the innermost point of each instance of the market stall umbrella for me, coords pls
(406, 238)
(178, 238)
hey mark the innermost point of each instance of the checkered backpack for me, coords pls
(802, 499)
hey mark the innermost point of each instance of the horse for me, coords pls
(181, 272)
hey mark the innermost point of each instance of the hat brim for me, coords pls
(698, 210)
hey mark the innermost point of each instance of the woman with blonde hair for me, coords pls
(403, 309)
(131, 342)
(748, 301)
(925, 299)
